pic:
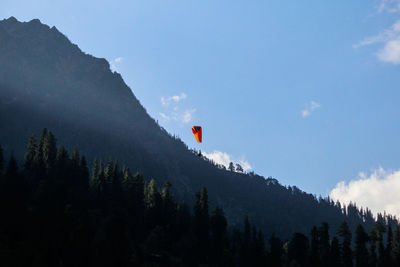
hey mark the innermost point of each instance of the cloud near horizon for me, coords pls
(379, 191)
(224, 159)
(115, 62)
(310, 108)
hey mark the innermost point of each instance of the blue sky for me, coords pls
(304, 91)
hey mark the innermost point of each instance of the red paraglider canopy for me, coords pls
(197, 133)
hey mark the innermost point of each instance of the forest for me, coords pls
(58, 212)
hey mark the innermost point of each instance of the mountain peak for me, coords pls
(11, 19)
(35, 21)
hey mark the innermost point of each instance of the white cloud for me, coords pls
(391, 38)
(118, 59)
(310, 108)
(386, 35)
(184, 117)
(379, 192)
(305, 113)
(175, 114)
(245, 165)
(390, 52)
(224, 159)
(165, 117)
(188, 115)
(115, 62)
(391, 6)
(166, 101)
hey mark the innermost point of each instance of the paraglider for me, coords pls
(197, 135)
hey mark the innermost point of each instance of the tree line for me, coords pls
(55, 212)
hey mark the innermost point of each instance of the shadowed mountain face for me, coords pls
(48, 82)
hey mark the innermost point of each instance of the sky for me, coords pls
(304, 91)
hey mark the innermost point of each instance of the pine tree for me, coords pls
(389, 247)
(1, 160)
(84, 174)
(102, 183)
(361, 252)
(138, 203)
(62, 171)
(315, 255)
(395, 253)
(62, 160)
(184, 220)
(231, 167)
(345, 233)
(116, 183)
(165, 194)
(153, 204)
(75, 158)
(11, 176)
(239, 168)
(373, 258)
(259, 248)
(380, 229)
(276, 251)
(219, 235)
(108, 179)
(40, 168)
(13, 194)
(152, 197)
(335, 253)
(298, 250)
(49, 150)
(169, 206)
(201, 224)
(95, 173)
(324, 243)
(30, 156)
(246, 240)
(12, 209)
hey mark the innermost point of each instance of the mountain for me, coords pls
(48, 82)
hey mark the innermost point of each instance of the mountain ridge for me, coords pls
(48, 82)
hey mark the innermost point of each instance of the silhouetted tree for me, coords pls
(373, 258)
(335, 253)
(239, 168)
(298, 250)
(276, 251)
(29, 158)
(345, 234)
(219, 226)
(324, 241)
(1, 160)
(389, 247)
(314, 254)
(361, 252)
(380, 229)
(395, 253)
(231, 167)
(153, 205)
(201, 224)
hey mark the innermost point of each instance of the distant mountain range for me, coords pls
(48, 82)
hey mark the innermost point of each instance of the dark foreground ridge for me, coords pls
(55, 213)
(46, 81)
